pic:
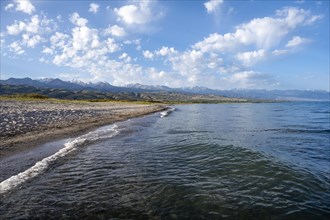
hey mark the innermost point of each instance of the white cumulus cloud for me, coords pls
(16, 48)
(16, 28)
(34, 26)
(192, 67)
(9, 6)
(115, 31)
(141, 12)
(251, 57)
(213, 61)
(165, 51)
(77, 20)
(148, 55)
(32, 32)
(84, 49)
(125, 57)
(212, 5)
(217, 42)
(279, 52)
(112, 45)
(250, 79)
(264, 33)
(296, 40)
(31, 41)
(94, 8)
(47, 50)
(24, 6)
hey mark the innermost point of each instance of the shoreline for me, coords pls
(27, 124)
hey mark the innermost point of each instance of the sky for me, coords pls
(217, 44)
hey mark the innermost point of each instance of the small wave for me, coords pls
(175, 131)
(45, 163)
(321, 112)
(167, 112)
(290, 130)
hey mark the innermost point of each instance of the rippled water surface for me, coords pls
(228, 161)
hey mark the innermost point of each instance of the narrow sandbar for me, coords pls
(29, 123)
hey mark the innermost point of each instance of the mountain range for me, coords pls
(289, 95)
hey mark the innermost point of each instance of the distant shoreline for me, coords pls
(27, 124)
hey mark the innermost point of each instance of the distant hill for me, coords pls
(60, 84)
(104, 87)
(93, 95)
(286, 95)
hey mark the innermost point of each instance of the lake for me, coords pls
(225, 161)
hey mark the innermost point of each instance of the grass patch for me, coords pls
(28, 96)
(41, 98)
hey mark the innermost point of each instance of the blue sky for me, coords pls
(218, 44)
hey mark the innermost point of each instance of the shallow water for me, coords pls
(241, 161)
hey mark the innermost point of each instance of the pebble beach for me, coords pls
(24, 124)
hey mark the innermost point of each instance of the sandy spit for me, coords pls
(26, 124)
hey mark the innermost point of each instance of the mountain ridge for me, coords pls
(288, 95)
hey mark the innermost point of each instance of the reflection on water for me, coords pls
(241, 161)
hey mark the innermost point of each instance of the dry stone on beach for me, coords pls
(23, 122)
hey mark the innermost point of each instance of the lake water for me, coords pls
(226, 161)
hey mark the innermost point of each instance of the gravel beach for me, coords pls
(25, 124)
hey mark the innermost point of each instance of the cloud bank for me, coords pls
(105, 53)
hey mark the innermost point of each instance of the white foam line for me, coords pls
(42, 165)
(167, 112)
